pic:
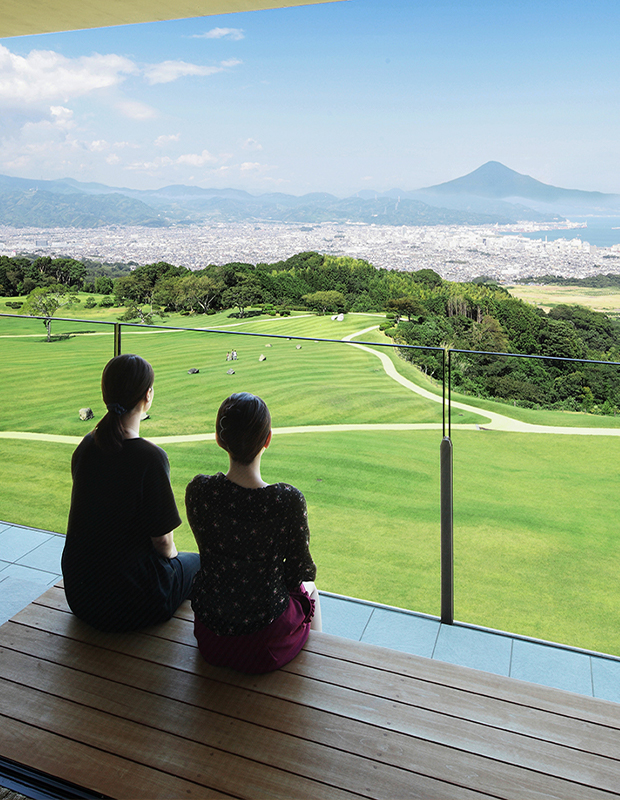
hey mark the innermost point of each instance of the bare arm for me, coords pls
(165, 545)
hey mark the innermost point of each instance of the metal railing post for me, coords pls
(447, 553)
(117, 338)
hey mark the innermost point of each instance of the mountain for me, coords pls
(495, 181)
(43, 209)
(493, 193)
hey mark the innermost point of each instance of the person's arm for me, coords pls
(299, 564)
(165, 545)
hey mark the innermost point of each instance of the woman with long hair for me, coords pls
(254, 599)
(120, 566)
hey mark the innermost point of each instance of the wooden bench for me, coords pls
(141, 715)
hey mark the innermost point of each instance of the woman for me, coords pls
(120, 566)
(252, 610)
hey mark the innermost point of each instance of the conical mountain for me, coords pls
(494, 180)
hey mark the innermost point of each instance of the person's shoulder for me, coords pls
(145, 446)
(145, 452)
(288, 493)
(204, 481)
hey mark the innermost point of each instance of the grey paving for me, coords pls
(30, 563)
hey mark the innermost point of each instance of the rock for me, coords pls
(340, 318)
(297, 347)
(268, 345)
(193, 371)
(230, 371)
(262, 357)
(86, 413)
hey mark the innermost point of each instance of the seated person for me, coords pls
(120, 566)
(253, 599)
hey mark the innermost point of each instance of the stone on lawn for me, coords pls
(86, 413)
(230, 371)
(193, 371)
(262, 357)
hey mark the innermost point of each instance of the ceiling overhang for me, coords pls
(27, 17)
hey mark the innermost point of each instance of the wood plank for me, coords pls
(177, 756)
(107, 774)
(424, 751)
(513, 690)
(273, 749)
(515, 717)
(429, 720)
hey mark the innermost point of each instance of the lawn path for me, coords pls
(497, 422)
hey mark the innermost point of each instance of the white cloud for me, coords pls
(197, 160)
(164, 139)
(63, 117)
(45, 76)
(221, 33)
(136, 110)
(113, 159)
(168, 71)
(251, 144)
(186, 160)
(98, 146)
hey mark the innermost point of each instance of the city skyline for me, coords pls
(338, 98)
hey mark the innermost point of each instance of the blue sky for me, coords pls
(337, 97)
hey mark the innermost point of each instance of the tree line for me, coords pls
(421, 309)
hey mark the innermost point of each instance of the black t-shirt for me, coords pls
(114, 578)
(254, 550)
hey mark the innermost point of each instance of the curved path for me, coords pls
(497, 422)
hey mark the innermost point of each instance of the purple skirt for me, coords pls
(265, 650)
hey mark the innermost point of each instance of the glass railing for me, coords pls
(358, 429)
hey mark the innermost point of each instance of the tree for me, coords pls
(200, 290)
(244, 294)
(408, 305)
(104, 284)
(324, 301)
(44, 301)
(145, 315)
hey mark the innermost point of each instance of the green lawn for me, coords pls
(536, 547)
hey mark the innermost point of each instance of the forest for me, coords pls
(421, 309)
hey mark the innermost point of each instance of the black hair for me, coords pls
(125, 381)
(243, 424)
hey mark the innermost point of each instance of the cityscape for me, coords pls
(456, 252)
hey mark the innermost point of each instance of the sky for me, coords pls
(338, 97)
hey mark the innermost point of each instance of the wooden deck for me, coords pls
(142, 716)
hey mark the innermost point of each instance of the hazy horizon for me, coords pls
(333, 98)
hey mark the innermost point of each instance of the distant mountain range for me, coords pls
(491, 194)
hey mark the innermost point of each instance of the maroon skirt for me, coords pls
(265, 650)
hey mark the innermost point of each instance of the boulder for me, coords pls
(268, 345)
(193, 371)
(230, 371)
(86, 413)
(297, 347)
(262, 357)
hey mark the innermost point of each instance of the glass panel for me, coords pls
(536, 507)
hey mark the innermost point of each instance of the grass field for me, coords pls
(546, 297)
(536, 543)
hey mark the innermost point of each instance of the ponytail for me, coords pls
(125, 381)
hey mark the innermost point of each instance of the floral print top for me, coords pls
(254, 549)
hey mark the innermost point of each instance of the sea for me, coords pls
(600, 231)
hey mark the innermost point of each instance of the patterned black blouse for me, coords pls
(253, 549)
